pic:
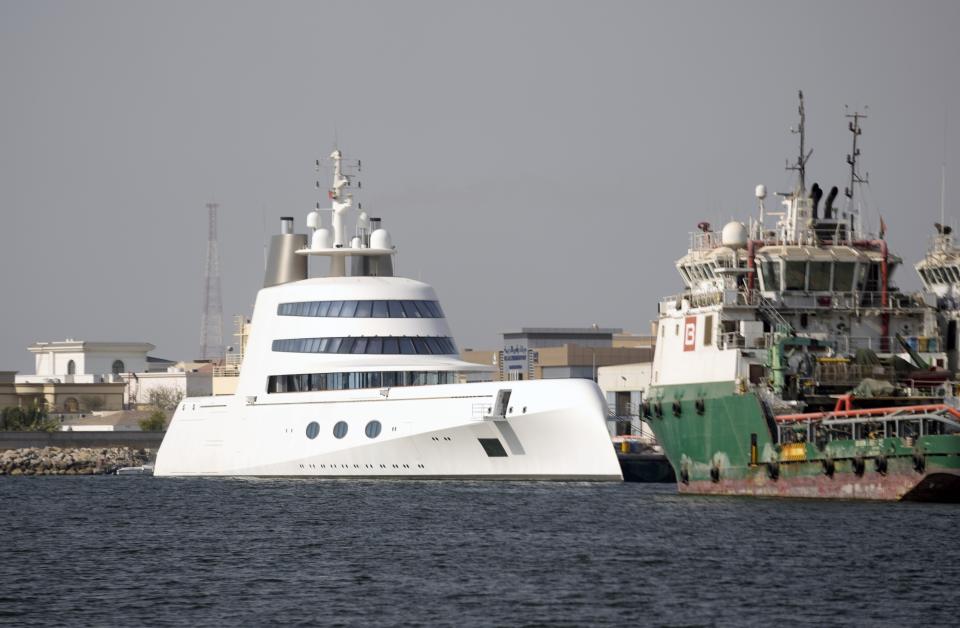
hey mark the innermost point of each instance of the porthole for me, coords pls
(313, 429)
(373, 429)
(340, 430)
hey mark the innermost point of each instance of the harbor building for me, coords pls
(84, 362)
(562, 352)
(57, 396)
(77, 376)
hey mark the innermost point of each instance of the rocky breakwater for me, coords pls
(57, 461)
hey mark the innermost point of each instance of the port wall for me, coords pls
(78, 440)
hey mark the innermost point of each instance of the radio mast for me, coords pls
(211, 327)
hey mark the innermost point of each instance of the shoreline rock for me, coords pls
(73, 461)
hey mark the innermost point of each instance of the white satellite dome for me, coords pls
(761, 191)
(734, 235)
(363, 221)
(322, 239)
(313, 220)
(380, 239)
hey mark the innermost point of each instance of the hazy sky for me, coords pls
(539, 163)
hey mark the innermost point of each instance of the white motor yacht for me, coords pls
(356, 374)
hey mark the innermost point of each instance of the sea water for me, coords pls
(149, 551)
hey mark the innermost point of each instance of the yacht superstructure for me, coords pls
(356, 374)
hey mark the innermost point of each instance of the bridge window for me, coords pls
(820, 276)
(118, 367)
(861, 279)
(369, 345)
(363, 309)
(796, 276)
(310, 382)
(843, 277)
(770, 274)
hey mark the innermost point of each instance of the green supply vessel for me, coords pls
(792, 366)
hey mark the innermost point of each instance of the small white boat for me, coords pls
(146, 469)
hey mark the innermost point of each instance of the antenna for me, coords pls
(855, 177)
(943, 193)
(943, 172)
(801, 163)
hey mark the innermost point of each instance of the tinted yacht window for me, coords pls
(370, 345)
(381, 308)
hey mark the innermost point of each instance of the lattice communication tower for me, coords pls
(211, 328)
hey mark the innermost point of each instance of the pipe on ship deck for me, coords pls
(934, 407)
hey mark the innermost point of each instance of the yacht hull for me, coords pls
(551, 430)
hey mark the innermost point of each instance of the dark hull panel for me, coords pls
(932, 487)
(652, 468)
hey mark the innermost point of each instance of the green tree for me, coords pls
(156, 422)
(165, 397)
(32, 418)
(11, 419)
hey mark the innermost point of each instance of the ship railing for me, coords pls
(845, 373)
(480, 411)
(226, 371)
(732, 340)
(857, 300)
(884, 344)
(908, 422)
(926, 388)
(694, 299)
(795, 299)
(705, 240)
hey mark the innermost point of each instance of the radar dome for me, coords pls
(734, 235)
(322, 239)
(313, 220)
(761, 191)
(380, 239)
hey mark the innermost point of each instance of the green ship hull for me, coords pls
(724, 443)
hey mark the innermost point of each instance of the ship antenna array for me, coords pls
(801, 163)
(342, 179)
(855, 178)
(856, 131)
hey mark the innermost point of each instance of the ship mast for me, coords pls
(801, 164)
(795, 229)
(855, 177)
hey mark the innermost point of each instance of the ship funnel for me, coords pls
(283, 264)
(828, 206)
(816, 193)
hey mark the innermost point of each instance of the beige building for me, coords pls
(60, 397)
(562, 352)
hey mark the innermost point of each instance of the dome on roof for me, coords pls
(322, 239)
(734, 235)
(380, 239)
